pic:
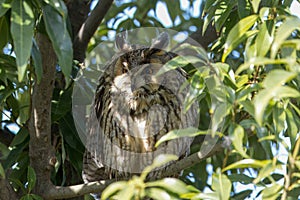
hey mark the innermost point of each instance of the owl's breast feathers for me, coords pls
(132, 109)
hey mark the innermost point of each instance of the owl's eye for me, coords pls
(125, 67)
(148, 70)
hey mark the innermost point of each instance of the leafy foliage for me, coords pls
(247, 85)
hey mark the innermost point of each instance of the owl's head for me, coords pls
(133, 56)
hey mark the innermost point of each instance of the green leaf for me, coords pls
(293, 128)
(219, 115)
(158, 194)
(274, 88)
(37, 61)
(113, 189)
(272, 192)
(4, 152)
(221, 184)
(263, 40)
(174, 134)
(27, 197)
(173, 185)
(237, 32)
(207, 195)
(237, 135)
(61, 39)
(24, 105)
(31, 178)
(255, 4)
(127, 193)
(256, 61)
(2, 172)
(4, 6)
(283, 32)
(158, 161)
(246, 163)
(178, 62)
(242, 178)
(22, 22)
(265, 171)
(36, 197)
(20, 137)
(4, 32)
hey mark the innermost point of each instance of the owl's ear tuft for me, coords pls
(121, 41)
(161, 42)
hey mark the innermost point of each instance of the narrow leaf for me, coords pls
(274, 88)
(61, 39)
(237, 135)
(113, 188)
(31, 178)
(22, 21)
(246, 163)
(174, 134)
(283, 32)
(237, 32)
(170, 184)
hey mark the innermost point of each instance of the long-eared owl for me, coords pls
(133, 108)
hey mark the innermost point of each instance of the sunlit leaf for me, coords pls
(283, 32)
(222, 185)
(113, 188)
(274, 88)
(4, 6)
(158, 161)
(256, 61)
(272, 192)
(22, 21)
(237, 136)
(170, 184)
(174, 134)
(263, 40)
(158, 194)
(245, 163)
(255, 4)
(265, 171)
(237, 32)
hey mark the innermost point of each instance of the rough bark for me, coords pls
(6, 191)
(41, 152)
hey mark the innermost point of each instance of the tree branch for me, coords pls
(41, 152)
(99, 186)
(88, 29)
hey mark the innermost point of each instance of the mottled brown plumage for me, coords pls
(132, 109)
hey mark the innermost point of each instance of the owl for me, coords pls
(133, 107)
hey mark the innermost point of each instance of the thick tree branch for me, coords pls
(99, 186)
(41, 152)
(88, 29)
